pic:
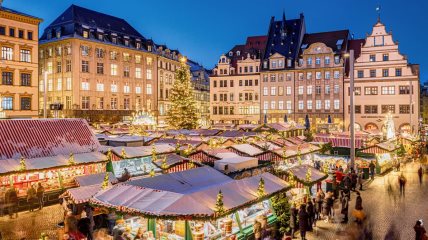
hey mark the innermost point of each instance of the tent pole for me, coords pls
(188, 231)
(238, 220)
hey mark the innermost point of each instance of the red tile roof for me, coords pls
(33, 138)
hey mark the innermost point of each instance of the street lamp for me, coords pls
(350, 55)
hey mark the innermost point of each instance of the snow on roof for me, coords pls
(12, 165)
(98, 178)
(247, 148)
(37, 138)
(187, 193)
(268, 145)
(132, 152)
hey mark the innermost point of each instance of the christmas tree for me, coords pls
(261, 189)
(22, 164)
(182, 113)
(219, 205)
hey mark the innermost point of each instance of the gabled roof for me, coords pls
(284, 37)
(37, 138)
(330, 39)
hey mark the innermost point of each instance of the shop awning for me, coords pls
(339, 141)
(13, 165)
(248, 149)
(190, 194)
(87, 180)
(301, 174)
(133, 152)
(81, 194)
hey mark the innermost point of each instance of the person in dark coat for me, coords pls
(358, 212)
(354, 178)
(360, 179)
(344, 210)
(347, 183)
(40, 192)
(293, 219)
(317, 211)
(303, 221)
(419, 230)
(402, 182)
(311, 214)
(372, 167)
(420, 174)
(11, 198)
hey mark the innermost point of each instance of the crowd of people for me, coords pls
(34, 199)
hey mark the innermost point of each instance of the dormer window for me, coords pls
(336, 59)
(138, 45)
(49, 35)
(238, 53)
(126, 42)
(317, 61)
(309, 61)
(149, 48)
(86, 33)
(100, 36)
(280, 63)
(114, 38)
(300, 62)
(223, 60)
(58, 33)
(273, 64)
(230, 53)
(288, 62)
(265, 64)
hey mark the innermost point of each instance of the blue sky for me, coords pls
(204, 29)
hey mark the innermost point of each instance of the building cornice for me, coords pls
(19, 18)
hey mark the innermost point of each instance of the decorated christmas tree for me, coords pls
(182, 113)
(71, 159)
(154, 154)
(219, 205)
(22, 164)
(261, 189)
(105, 181)
(123, 153)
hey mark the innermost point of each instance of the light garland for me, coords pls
(22, 164)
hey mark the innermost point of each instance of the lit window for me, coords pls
(59, 84)
(85, 85)
(149, 74)
(6, 53)
(113, 69)
(336, 104)
(25, 55)
(137, 72)
(309, 104)
(149, 89)
(327, 104)
(301, 105)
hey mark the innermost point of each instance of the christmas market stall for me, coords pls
(302, 178)
(384, 155)
(51, 152)
(247, 150)
(209, 156)
(137, 160)
(200, 203)
(175, 163)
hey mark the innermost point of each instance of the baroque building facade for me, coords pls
(385, 83)
(235, 84)
(19, 33)
(96, 67)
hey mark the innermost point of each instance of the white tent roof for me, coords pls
(133, 152)
(11, 165)
(190, 193)
(92, 179)
(248, 149)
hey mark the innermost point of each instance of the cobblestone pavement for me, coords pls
(388, 213)
(30, 225)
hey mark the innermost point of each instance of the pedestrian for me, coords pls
(360, 179)
(358, 211)
(372, 167)
(303, 221)
(420, 230)
(347, 183)
(326, 206)
(354, 179)
(319, 200)
(11, 198)
(402, 182)
(398, 165)
(111, 219)
(420, 174)
(40, 194)
(311, 214)
(31, 198)
(293, 219)
(344, 210)
(317, 211)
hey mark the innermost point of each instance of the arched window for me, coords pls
(238, 53)
(231, 53)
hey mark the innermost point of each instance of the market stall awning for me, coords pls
(82, 194)
(301, 174)
(171, 160)
(190, 194)
(248, 149)
(98, 178)
(31, 164)
(338, 141)
(143, 151)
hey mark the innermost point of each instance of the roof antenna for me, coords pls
(378, 13)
